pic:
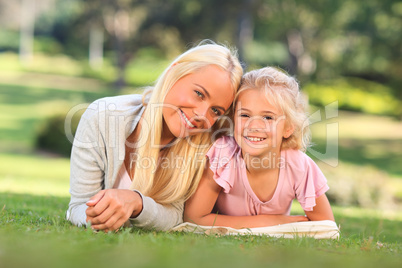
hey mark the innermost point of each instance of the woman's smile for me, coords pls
(186, 120)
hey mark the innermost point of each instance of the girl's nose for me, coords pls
(256, 124)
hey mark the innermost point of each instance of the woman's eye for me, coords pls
(216, 112)
(199, 94)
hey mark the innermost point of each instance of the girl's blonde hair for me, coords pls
(175, 177)
(283, 91)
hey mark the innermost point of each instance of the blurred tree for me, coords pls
(245, 32)
(9, 25)
(327, 39)
(27, 25)
(122, 20)
(316, 40)
(132, 24)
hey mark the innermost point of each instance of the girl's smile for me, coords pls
(259, 125)
(254, 139)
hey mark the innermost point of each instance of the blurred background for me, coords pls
(56, 54)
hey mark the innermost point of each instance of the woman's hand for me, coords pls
(109, 209)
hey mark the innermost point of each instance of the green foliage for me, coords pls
(145, 67)
(314, 40)
(47, 45)
(356, 95)
(28, 99)
(9, 40)
(51, 135)
(267, 53)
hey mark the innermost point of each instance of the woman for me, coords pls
(139, 158)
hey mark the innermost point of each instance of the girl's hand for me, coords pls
(294, 218)
(109, 209)
(270, 220)
(321, 211)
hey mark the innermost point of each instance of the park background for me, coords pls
(55, 55)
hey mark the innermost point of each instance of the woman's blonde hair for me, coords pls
(283, 91)
(176, 170)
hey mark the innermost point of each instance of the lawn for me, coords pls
(34, 233)
(34, 196)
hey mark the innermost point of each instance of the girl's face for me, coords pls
(196, 101)
(259, 125)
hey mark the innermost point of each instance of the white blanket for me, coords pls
(316, 229)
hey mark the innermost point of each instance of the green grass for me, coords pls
(35, 227)
(364, 140)
(142, 70)
(34, 174)
(33, 201)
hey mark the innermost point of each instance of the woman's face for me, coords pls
(196, 101)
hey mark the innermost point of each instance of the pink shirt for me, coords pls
(123, 180)
(299, 177)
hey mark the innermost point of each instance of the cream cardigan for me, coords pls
(97, 155)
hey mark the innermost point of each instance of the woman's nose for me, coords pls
(200, 112)
(202, 117)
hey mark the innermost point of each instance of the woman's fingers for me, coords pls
(99, 208)
(95, 199)
(113, 223)
(114, 209)
(98, 218)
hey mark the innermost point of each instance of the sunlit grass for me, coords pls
(54, 81)
(141, 71)
(35, 225)
(359, 126)
(364, 140)
(34, 174)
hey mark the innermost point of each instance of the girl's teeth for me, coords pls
(188, 122)
(255, 139)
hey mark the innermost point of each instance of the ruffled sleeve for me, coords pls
(222, 161)
(310, 183)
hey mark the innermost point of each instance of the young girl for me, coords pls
(254, 176)
(121, 143)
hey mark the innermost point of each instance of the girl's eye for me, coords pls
(268, 118)
(244, 115)
(199, 94)
(216, 112)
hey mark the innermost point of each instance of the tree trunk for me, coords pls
(296, 50)
(121, 62)
(27, 30)
(96, 47)
(245, 27)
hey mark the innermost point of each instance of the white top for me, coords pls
(98, 155)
